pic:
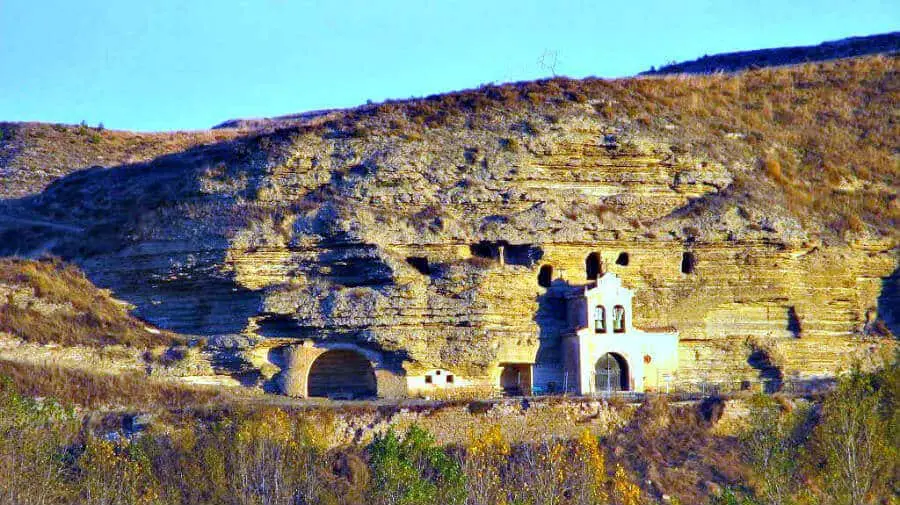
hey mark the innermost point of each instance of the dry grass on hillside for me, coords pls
(824, 135)
(674, 448)
(49, 301)
(94, 390)
(34, 154)
(820, 139)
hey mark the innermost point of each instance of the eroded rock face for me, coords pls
(428, 250)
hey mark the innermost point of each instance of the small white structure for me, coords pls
(606, 353)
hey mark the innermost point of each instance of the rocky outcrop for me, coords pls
(425, 245)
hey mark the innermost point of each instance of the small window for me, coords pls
(429, 379)
(599, 319)
(688, 262)
(437, 372)
(449, 379)
(545, 276)
(592, 266)
(622, 259)
(619, 319)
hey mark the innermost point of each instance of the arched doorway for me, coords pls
(341, 374)
(592, 266)
(611, 373)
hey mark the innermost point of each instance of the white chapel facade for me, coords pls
(606, 353)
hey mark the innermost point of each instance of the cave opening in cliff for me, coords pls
(622, 259)
(592, 266)
(522, 254)
(341, 374)
(485, 249)
(688, 262)
(545, 276)
(419, 263)
(793, 322)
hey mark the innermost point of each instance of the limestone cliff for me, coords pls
(417, 230)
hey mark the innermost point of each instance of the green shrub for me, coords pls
(414, 470)
(774, 446)
(854, 439)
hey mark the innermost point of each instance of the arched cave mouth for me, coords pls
(341, 374)
(420, 263)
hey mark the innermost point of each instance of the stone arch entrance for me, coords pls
(341, 374)
(611, 373)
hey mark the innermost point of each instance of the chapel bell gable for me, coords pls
(606, 308)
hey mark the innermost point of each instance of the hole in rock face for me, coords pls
(592, 266)
(622, 259)
(420, 263)
(688, 262)
(485, 250)
(793, 324)
(522, 254)
(545, 276)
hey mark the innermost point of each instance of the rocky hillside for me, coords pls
(731, 62)
(756, 213)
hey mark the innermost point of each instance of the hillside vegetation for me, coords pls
(837, 450)
(742, 60)
(52, 302)
(819, 139)
(34, 154)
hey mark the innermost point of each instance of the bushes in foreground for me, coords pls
(48, 456)
(841, 451)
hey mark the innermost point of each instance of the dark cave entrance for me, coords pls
(545, 276)
(342, 375)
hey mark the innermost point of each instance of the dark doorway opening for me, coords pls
(341, 375)
(592, 266)
(611, 373)
(688, 262)
(545, 276)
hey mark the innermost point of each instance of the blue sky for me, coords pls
(189, 64)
